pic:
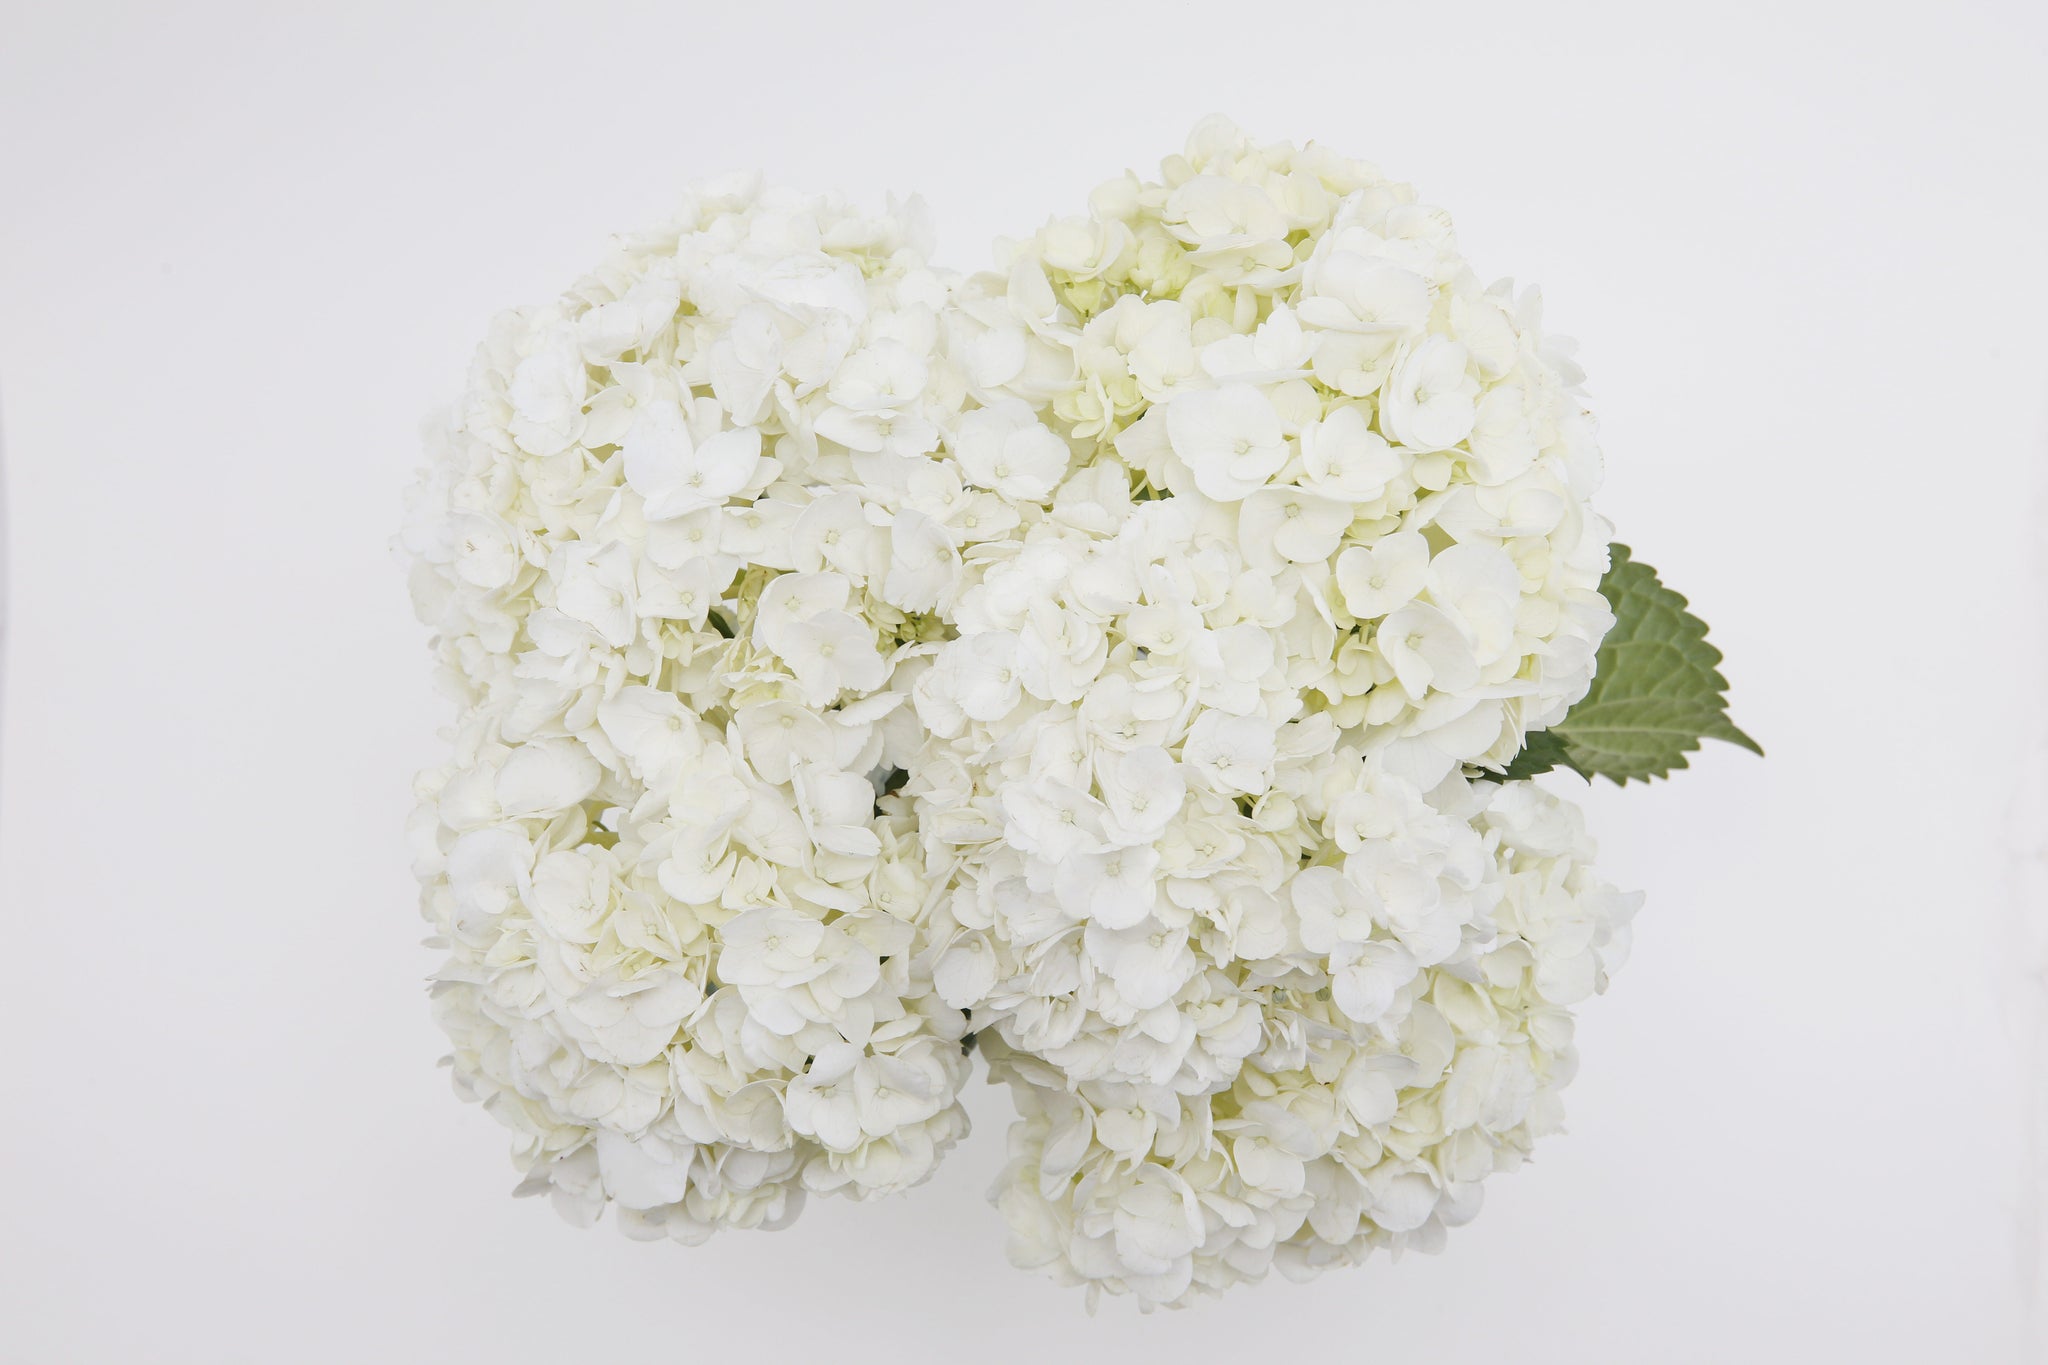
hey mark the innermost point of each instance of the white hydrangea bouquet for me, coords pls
(1127, 664)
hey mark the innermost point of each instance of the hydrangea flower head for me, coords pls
(1094, 653)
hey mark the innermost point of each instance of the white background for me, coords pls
(244, 249)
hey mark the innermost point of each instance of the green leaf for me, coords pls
(1657, 690)
(1542, 751)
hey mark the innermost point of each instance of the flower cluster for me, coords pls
(672, 583)
(1326, 1136)
(1094, 653)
